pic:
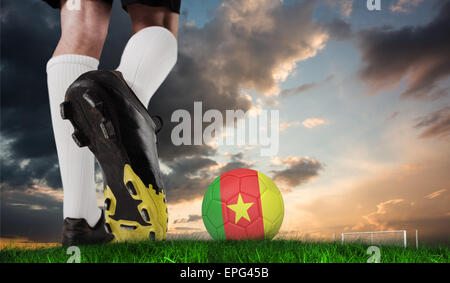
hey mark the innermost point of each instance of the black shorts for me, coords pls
(173, 5)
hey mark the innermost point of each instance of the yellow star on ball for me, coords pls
(240, 208)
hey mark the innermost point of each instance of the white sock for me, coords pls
(76, 164)
(148, 58)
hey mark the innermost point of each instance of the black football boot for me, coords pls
(110, 120)
(78, 232)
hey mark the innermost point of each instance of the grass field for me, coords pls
(188, 251)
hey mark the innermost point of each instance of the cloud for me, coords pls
(35, 214)
(237, 161)
(313, 122)
(390, 199)
(28, 149)
(191, 218)
(286, 125)
(298, 90)
(404, 6)
(23, 173)
(377, 218)
(436, 124)
(235, 165)
(252, 45)
(189, 178)
(339, 29)
(234, 157)
(418, 54)
(299, 171)
(395, 214)
(392, 116)
(413, 167)
(246, 45)
(304, 87)
(435, 194)
(346, 7)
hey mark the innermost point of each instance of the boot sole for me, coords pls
(143, 210)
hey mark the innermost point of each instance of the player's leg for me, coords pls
(143, 16)
(83, 33)
(151, 52)
(108, 111)
(84, 30)
(148, 58)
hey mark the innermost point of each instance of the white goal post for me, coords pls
(379, 237)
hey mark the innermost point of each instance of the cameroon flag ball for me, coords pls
(242, 204)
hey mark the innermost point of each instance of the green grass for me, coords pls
(188, 251)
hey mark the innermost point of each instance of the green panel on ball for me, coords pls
(212, 211)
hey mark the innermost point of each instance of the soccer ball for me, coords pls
(242, 204)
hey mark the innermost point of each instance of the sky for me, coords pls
(363, 98)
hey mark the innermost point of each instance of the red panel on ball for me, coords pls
(243, 183)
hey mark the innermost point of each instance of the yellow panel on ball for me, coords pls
(272, 206)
